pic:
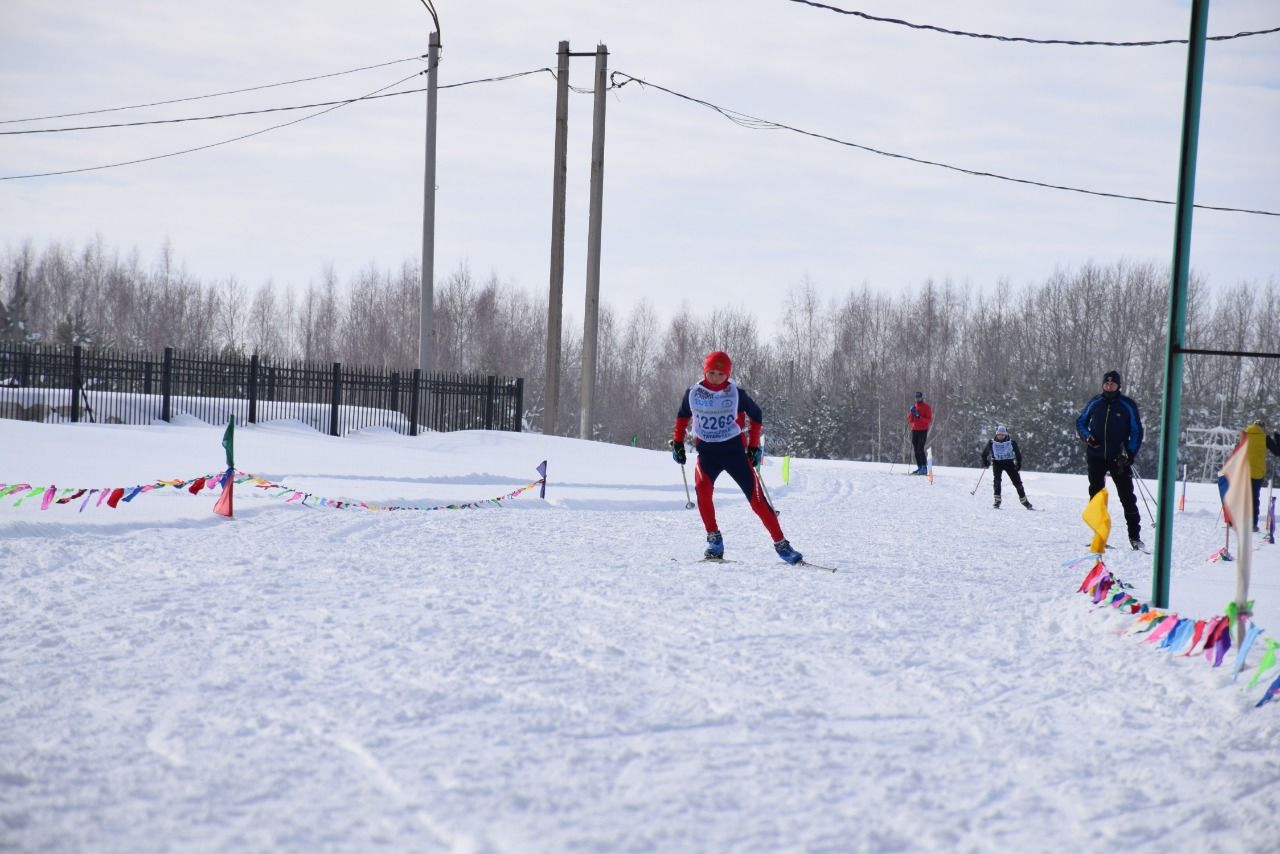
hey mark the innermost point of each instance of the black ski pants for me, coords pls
(917, 445)
(1123, 479)
(1009, 467)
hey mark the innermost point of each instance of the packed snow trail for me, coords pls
(548, 678)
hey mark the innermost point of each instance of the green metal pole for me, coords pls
(1170, 424)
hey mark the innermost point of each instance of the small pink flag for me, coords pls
(224, 506)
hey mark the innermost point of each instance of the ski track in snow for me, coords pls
(550, 679)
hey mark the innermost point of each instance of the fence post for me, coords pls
(413, 401)
(519, 405)
(166, 386)
(146, 377)
(490, 392)
(337, 399)
(77, 379)
(253, 389)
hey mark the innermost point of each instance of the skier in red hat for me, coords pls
(719, 411)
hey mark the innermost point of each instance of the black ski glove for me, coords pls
(915, 413)
(1092, 442)
(1124, 464)
(754, 455)
(677, 451)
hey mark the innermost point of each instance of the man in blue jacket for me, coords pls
(1111, 429)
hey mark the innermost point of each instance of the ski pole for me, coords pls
(764, 490)
(688, 502)
(1142, 493)
(981, 475)
(902, 449)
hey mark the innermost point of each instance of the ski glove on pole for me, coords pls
(677, 451)
(754, 455)
(915, 413)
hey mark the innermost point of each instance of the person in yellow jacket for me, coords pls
(1255, 438)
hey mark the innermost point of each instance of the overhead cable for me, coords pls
(1024, 39)
(209, 145)
(754, 123)
(213, 94)
(333, 105)
(272, 109)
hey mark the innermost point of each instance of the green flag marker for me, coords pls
(229, 441)
(786, 469)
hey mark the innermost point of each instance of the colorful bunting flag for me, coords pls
(1249, 638)
(1271, 693)
(1268, 661)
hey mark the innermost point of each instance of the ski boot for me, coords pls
(995, 505)
(784, 550)
(1025, 502)
(715, 547)
(1137, 544)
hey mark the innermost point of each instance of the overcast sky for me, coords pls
(696, 208)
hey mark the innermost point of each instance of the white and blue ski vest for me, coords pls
(715, 413)
(1002, 450)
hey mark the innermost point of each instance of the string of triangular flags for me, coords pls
(1174, 633)
(112, 496)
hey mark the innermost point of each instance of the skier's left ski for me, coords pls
(815, 566)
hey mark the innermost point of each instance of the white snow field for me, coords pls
(561, 675)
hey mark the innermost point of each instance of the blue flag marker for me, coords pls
(542, 470)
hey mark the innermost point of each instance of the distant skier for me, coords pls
(1255, 438)
(718, 411)
(1111, 429)
(919, 417)
(1003, 449)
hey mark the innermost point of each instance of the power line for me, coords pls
(754, 123)
(272, 109)
(209, 145)
(332, 105)
(1024, 39)
(211, 94)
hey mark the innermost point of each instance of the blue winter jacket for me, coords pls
(1114, 421)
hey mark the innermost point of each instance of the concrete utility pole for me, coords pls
(592, 323)
(555, 298)
(426, 307)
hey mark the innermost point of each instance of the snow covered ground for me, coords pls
(561, 675)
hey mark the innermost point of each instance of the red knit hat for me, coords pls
(717, 360)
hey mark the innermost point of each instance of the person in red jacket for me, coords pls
(920, 416)
(718, 410)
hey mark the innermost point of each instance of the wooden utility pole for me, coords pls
(555, 298)
(426, 306)
(590, 332)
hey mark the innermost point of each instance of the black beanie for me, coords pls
(1111, 375)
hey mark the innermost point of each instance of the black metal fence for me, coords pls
(43, 383)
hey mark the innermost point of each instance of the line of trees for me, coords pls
(835, 379)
